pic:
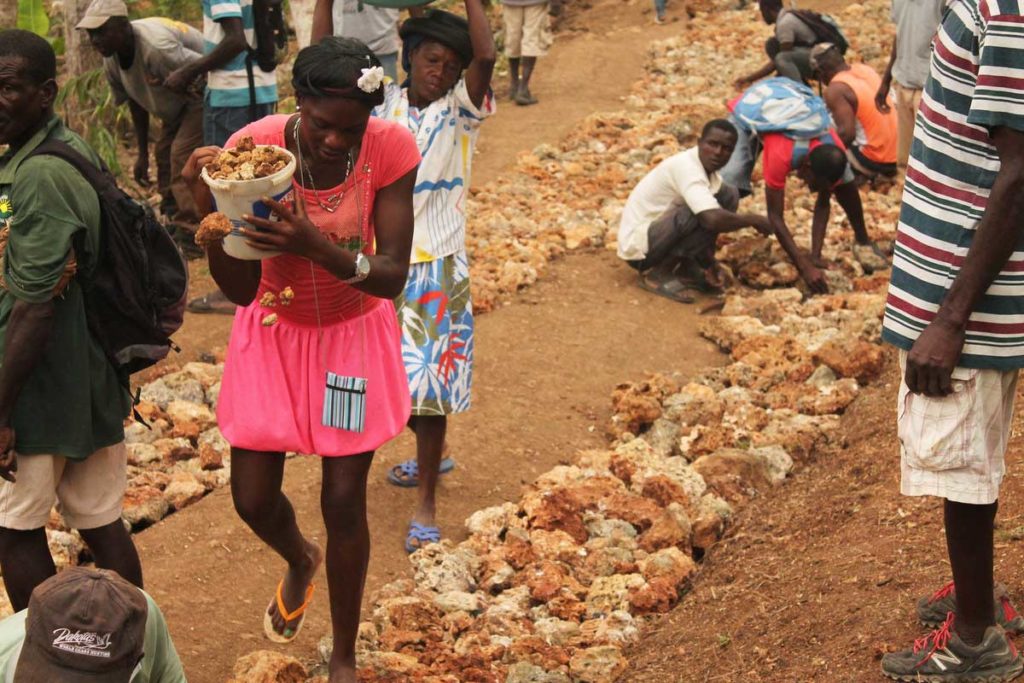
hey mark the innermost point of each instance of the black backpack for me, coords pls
(135, 297)
(271, 34)
(825, 28)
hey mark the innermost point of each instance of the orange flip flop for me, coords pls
(300, 611)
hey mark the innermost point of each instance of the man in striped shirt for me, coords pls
(956, 311)
(238, 91)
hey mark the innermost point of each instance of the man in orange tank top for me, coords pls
(870, 135)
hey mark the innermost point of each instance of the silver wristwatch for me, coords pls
(362, 269)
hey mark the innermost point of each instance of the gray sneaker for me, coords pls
(941, 657)
(933, 609)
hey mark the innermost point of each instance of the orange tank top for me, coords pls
(876, 132)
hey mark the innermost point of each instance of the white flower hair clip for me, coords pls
(371, 79)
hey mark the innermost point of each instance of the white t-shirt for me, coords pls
(679, 179)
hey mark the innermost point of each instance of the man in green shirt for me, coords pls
(88, 625)
(62, 405)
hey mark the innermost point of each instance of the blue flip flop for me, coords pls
(407, 474)
(423, 534)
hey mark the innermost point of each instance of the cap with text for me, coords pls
(83, 626)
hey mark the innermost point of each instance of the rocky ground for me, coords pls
(558, 585)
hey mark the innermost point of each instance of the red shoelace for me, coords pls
(942, 592)
(938, 639)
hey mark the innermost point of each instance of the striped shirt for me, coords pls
(976, 83)
(229, 86)
(446, 132)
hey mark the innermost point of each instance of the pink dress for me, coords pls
(272, 394)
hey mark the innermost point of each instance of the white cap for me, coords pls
(101, 10)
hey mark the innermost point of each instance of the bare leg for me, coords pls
(112, 548)
(26, 562)
(849, 198)
(430, 434)
(343, 502)
(256, 490)
(969, 530)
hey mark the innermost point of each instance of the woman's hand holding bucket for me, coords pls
(192, 174)
(294, 233)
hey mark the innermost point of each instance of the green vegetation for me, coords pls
(87, 106)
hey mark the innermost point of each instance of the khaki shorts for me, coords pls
(89, 493)
(527, 31)
(953, 446)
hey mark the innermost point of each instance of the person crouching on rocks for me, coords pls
(672, 219)
(445, 99)
(322, 308)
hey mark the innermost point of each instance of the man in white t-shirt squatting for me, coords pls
(673, 217)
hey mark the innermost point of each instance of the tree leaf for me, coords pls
(32, 17)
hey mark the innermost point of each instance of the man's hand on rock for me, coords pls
(933, 357)
(814, 277)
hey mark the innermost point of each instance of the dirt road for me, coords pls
(545, 368)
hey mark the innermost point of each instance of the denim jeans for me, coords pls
(220, 123)
(659, 7)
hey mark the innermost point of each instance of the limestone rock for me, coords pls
(144, 505)
(175, 449)
(734, 474)
(458, 601)
(183, 490)
(177, 386)
(556, 631)
(141, 454)
(617, 628)
(601, 664)
(610, 593)
(266, 666)
(189, 419)
(440, 568)
(525, 672)
(214, 449)
(695, 404)
(852, 358)
(728, 331)
(492, 523)
(65, 547)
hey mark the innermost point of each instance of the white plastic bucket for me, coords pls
(236, 198)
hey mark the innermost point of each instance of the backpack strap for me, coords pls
(97, 176)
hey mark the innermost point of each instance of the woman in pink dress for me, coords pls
(316, 324)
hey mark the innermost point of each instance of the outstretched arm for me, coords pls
(478, 73)
(776, 201)
(722, 220)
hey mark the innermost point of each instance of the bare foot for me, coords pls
(293, 593)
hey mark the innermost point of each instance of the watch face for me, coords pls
(362, 265)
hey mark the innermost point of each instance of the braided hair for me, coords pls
(332, 68)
